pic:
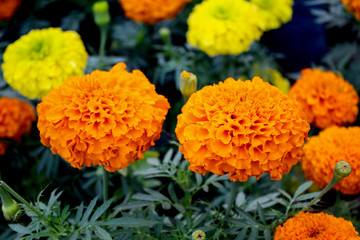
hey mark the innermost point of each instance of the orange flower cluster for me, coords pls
(353, 6)
(312, 226)
(152, 11)
(242, 128)
(16, 118)
(105, 118)
(333, 145)
(8, 8)
(326, 98)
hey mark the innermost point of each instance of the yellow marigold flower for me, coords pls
(312, 226)
(8, 8)
(224, 27)
(274, 13)
(333, 145)
(326, 98)
(152, 11)
(242, 128)
(105, 118)
(15, 118)
(42, 59)
(353, 6)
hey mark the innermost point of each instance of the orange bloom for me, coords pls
(353, 6)
(3, 147)
(333, 145)
(326, 98)
(242, 128)
(8, 8)
(152, 11)
(312, 226)
(105, 118)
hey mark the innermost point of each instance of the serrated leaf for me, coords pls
(128, 222)
(199, 179)
(74, 236)
(177, 159)
(156, 194)
(254, 234)
(267, 234)
(100, 211)
(308, 196)
(87, 234)
(247, 217)
(88, 211)
(179, 207)
(261, 213)
(79, 213)
(199, 219)
(132, 205)
(145, 197)
(102, 233)
(302, 188)
(242, 234)
(218, 185)
(285, 194)
(240, 199)
(19, 228)
(168, 155)
(172, 193)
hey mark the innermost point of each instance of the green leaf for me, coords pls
(145, 197)
(242, 234)
(128, 222)
(307, 196)
(254, 234)
(166, 205)
(87, 234)
(168, 155)
(132, 205)
(199, 219)
(157, 195)
(100, 211)
(172, 193)
(302, 188)
(179, 207)
(285, 194)
(261, 213)
(177, 159)
(198, 178)
(88, 211)
(240, 199)
(267, 234)
(102, 233)
(247, 217)
(19, 228)
(79, 213)
(74, 236)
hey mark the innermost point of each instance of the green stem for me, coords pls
(103, 38)
(331, 184)
(105, 185)
(233, 193)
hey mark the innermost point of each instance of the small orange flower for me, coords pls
(152, 11)
(333, 145)
(326, 98)
(8, 8)
(15, 119)
(242, 128)
(353, 6)
(312, 226)
(105, 118)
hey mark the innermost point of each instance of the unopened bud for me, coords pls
(9, 206)
(198, 235)
(101, 13)
(164, 34)
(188, 84)
(342, 169)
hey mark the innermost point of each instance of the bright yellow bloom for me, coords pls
(274, 12)
(224, 27)
(42, 59)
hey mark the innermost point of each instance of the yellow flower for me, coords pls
(42, 59)
(274, 12)
(224, 27)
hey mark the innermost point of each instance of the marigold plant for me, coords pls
(8, 8)
(274, 12)
(311, 226)
(242, 128)
(152, 11)
(16, 118)
(353, 6)
(332, 145)
(42, 59)
(224, 27)
(326, 98)
(105, 118)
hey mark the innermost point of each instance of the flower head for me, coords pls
(224, 27)
(353, 6)
(16, 118)
(199, 235)
(326, 98)
(152, 11)
(42, 59)
(324, 151)
(274, 12)
(8, 8)
(312, 226)
(105, 118)
(242, 128)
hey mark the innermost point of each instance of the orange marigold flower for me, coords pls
(16, 118)
(353, 6)
(242, 128)
(312, 226)
(8, 8)
(3, 147)
(333, 145)
(105, 118)
(152, 11)
(326, 98)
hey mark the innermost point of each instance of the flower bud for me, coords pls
(164, 34)
(342, 169)
(198, 235)
(188, 84)
(101, 13)
(9, 205)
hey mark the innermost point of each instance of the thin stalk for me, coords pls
(103, 38)
(105, 185)
(233, 193)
